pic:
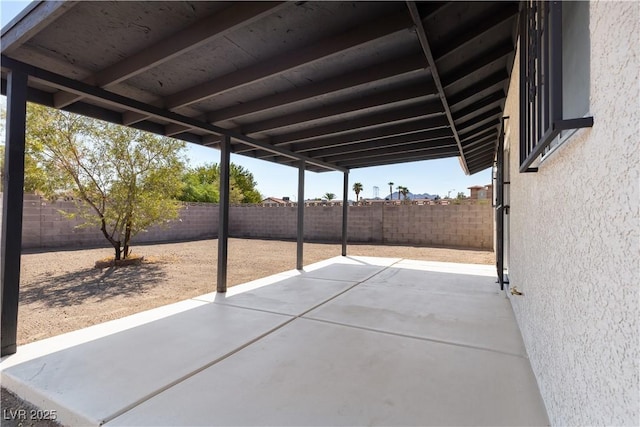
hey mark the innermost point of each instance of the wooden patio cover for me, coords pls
(319, 86)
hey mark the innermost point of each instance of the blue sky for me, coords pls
(433, 176)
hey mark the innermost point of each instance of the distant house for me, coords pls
(480, 192)
(274, 201)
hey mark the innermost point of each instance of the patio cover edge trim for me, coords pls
(424, 43)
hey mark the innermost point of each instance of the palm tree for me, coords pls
(399, 188)
(329, 196)
(390, 190)
(357, 188)
(405, 192)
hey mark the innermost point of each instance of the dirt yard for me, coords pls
(62, 291)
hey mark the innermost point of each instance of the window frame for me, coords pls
(541, 94)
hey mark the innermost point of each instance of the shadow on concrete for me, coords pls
(92, 283)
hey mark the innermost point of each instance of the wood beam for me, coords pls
(472, 109)
(482, 163)
(481, 154)
(480, 119)
(369, 134)
(388, 97)
(395, 67)
(481, 145)
(363, 33)
(399, 158)
(375, 133)
(489, 20)
(426, 147)
(430, 135)
(466, 137)
(404, 114)
(476, 64)
(215, 26)
(493, 82)
(174, 129)
(479, 139)
(426, 48)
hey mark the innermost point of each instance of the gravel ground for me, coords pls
(62, 291)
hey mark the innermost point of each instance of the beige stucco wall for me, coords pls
(575, 240)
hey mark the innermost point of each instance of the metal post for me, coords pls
(345, 209)
(500, 209)
(299, 258)
(223, 216)
(12, 208)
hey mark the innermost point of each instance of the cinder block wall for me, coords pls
(464, 225)
(45, 225)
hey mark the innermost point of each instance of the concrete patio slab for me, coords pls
(449, 267)
(390, 342)
(96, 380)
(315, 373)
(349, 269)
(465, 279)
(294, 295)
(457, 308)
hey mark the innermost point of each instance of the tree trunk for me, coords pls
(114, 243)
(127, 238)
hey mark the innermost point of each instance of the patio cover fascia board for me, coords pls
(40, 14)
(102, 95)
(426, 48)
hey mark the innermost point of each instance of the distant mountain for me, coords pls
(411, 196)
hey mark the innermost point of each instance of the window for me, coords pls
(554, 70)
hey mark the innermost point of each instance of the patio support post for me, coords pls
(300, 235)
(12, 207)
(223, 215)
(345, 210)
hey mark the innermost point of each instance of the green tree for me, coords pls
(461, 196)
(243, 179)
(202, 184)
(128, 179)
(390, 190)
(36, 178)
(357, 188)
(329, 196)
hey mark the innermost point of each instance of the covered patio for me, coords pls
(347, 341)
(319, 86)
